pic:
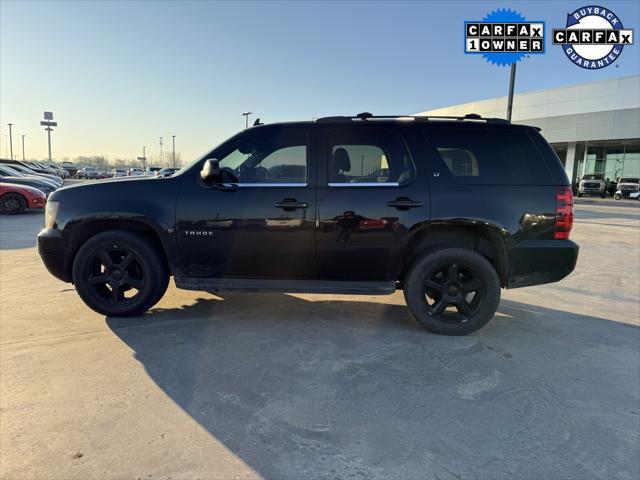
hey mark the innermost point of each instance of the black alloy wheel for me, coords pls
(452, 291)
(116, 275)
(453, 285)
(120, 273)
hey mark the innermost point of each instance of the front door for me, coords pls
(369, 197)
(261, 227)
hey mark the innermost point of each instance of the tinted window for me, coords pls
(371, 155)
(489, 156)
(273, 156)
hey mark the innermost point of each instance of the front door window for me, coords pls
(268, 158)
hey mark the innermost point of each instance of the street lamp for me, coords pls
(23, 147)
(10, 142)
(174, 150)
(512, 82)
(246, 118)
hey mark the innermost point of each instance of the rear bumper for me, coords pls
(534, 262)
(52, 252)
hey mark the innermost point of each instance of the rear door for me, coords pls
(370, 194)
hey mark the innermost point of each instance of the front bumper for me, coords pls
(591, 191)
(52, 252)
(534, 262)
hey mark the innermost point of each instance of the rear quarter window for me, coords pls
(485, 156)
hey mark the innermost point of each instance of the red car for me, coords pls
(16, 198)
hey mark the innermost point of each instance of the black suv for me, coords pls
(447, 209)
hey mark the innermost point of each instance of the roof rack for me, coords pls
(366, 116)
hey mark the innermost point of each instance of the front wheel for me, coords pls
(452, 291)
(11, 203)
(617, 196)
(120, 273)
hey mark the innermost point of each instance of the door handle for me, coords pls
(291, 204)
(404, 203)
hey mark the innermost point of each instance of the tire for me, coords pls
(12, 203)
(448, 275)
(617, 196)
(579, 194)
(117, 263)
(603, 195)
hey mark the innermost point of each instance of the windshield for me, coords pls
(629, 180)
(592, 177)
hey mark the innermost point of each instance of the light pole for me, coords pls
(160, 151)
(10, 142)
(23, 147)
(512, 81)
(174, 150)
(246, 118)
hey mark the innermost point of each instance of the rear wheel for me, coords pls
(452, 291)
(120, 273)
(11, 203)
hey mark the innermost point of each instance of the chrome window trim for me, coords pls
(245, 185)
(364, 184)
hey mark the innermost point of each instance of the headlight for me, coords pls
(50, 214)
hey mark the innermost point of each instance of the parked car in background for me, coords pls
(61, 172)
(152, 170)
(166, 172)
(41, 168)
(24, 169)
(27, 170)
(17, 198)
(592, 184)
(627, 186)
(70, 168)
(118, 172)
(89, 173)
(135, 171)
(9, 175)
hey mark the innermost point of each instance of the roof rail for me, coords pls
(366, 116)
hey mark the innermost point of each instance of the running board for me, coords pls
(209, 284)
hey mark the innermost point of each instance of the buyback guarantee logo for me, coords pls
(503, 37)
(593, 37)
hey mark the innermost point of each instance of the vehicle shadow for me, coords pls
(339, 389)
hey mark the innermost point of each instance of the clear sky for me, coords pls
(118, 75)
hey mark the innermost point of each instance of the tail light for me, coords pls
(564, 213)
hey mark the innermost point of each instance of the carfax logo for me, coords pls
(593, 38)
(503, 37)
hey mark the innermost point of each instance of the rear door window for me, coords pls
(365, 157)
(489, 156)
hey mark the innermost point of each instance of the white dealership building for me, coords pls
(594, 127)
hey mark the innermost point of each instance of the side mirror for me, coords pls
(210, 172)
